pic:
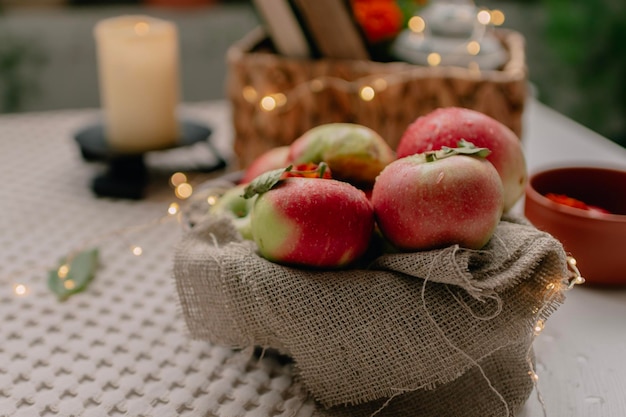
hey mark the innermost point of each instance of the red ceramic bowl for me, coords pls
(597, 241)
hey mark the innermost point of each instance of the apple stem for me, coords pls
(266, 181)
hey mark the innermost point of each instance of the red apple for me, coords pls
(313, 222)
(271, 159)
(354, 153)
(437, 199)
(447, 126)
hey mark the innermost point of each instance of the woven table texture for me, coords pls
(121, 347)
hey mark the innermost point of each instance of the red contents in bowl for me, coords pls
(572, 202)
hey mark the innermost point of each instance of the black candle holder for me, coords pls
(127, 175)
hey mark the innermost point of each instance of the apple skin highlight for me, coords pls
(319, 223)
(427, 205)
(446, 126)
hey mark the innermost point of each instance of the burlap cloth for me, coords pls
(438, 333)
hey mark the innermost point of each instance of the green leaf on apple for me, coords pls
(463, 148)
(265, 182)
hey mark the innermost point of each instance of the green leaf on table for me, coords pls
(73, 275)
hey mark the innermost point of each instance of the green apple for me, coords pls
(354, 153)
(233, 205)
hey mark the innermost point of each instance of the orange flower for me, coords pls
(380, 19)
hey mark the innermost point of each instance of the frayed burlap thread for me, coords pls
(437, 333)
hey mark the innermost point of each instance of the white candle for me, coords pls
(139, 85)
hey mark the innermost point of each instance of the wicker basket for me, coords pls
(301, 94)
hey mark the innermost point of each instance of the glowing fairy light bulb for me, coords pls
(268, 103)
(212, 200)
(20, 290)
(281, 99)
(173, 209)
(538, 327)
(63, 271)
(483, 17)
(136, 250)
(183, 191)
(178, 178)
(367, 93)
(473, 47)
(434, 59)
(497, 17)
(271, 102)
(380, 84)
(249, 94)
(416, 24)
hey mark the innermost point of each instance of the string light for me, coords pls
(173, 209)
(575, 277)
(416, 24)
(212, 200)
(483, 17)
(367, 88)
(434, 59)
(271, 102)
(367, 93)
(249, 94)
(63, 271)
(177, 178)
(20, 290)
(473, 47)
(567, 283)
(497, 17)
(380, 84)
(182, 189)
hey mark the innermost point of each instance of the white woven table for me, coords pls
(121, 347)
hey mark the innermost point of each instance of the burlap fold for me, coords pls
(429, 330)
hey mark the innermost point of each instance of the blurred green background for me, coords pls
(575, 52)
